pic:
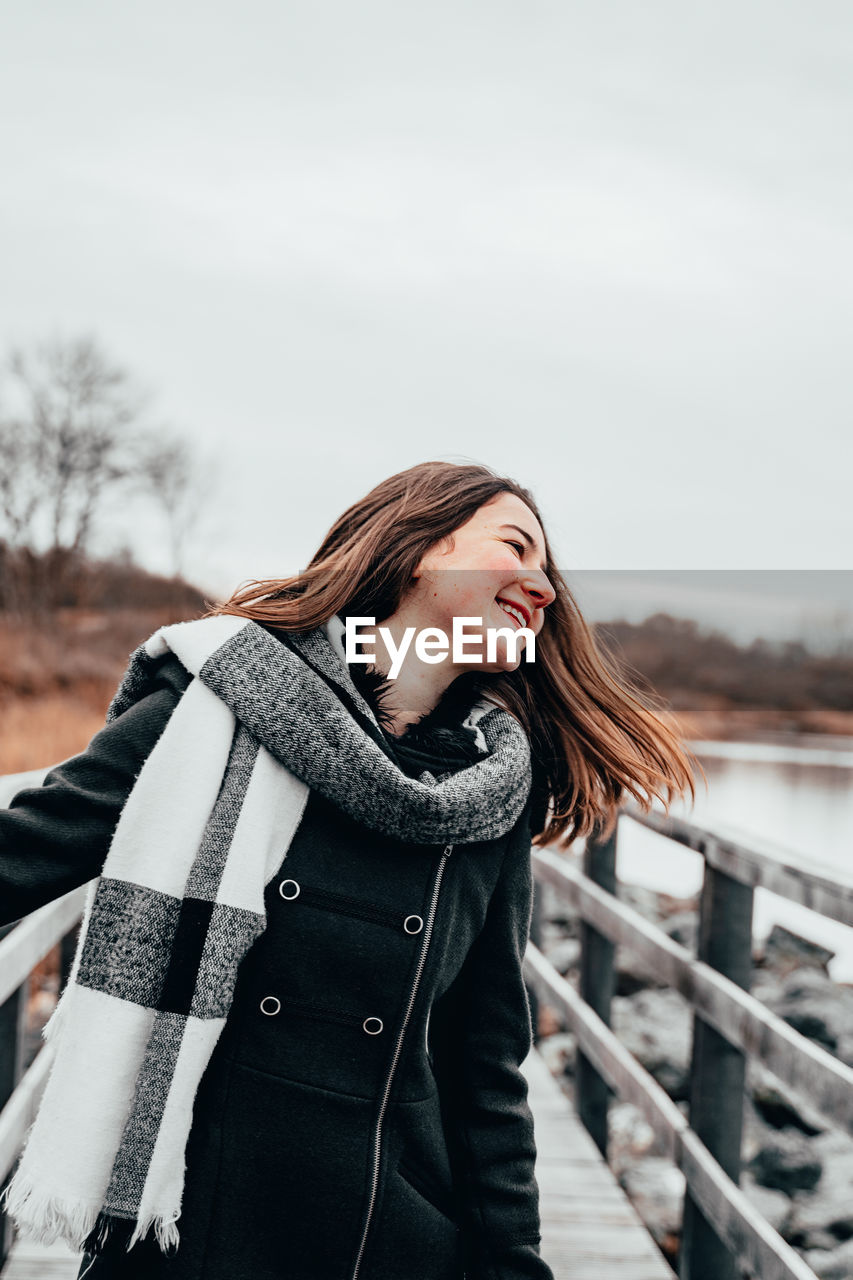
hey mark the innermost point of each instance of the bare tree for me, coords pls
(179, 485)
(73, 435)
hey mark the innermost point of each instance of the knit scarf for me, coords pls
(180, 901)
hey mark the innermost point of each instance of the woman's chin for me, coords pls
(504, 662)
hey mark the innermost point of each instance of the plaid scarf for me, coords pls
(180, 901)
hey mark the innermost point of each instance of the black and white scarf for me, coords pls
(180, 901)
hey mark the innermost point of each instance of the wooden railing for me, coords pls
(723, 1235)
(722, 1232)
(22, 947)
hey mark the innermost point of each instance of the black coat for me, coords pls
(363, 1116)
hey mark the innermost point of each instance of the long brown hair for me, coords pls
(594, 738)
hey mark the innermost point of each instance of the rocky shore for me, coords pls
(798, 1170)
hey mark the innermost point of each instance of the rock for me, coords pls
(656, 1026)
(766, 986)
(568, 925)
(656, 1189)
(832, 1265)
(554, 911)
(550, 935)
(632, 975)
(825, 1218)
(756, 1131)
(787, 1162)
(565, 955)
(806, 983)
(836, 1148)
(630, 1137)
(645, 901)
(812, 1004)
(559, 1052)
(677, 917)
(823, 1240)
(777, 1105)
(785, 951)
(775, 1206)
(668, 906)
(683, 928)
(844, 1049)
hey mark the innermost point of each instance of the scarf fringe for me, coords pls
(110, 1227)
(84, 1228)
(46, 1219)
(165, 1231)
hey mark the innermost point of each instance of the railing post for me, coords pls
(12, 1015)
(718, 1070)
(597, 986)
(536, 939)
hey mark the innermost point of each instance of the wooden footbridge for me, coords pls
(590, 1231)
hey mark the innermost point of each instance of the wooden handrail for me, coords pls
(36, 935)
(721, 1230)
(819, 1078)
(21, 949)
(20, 1111)
(753, 1243)
(757, 863)
(12, 783)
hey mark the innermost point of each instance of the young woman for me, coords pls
(291, 1041)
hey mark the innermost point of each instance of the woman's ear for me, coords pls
(438, 549)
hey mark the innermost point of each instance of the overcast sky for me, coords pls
(604, 247)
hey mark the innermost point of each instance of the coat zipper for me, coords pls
(377, 1137)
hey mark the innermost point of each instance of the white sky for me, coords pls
(606, 248)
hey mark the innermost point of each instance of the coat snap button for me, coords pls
(270, 1000)
(372, 1026)
(413, 924)
(289, 889)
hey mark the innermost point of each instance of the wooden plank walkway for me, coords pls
(589, 1229)
(41, 1262)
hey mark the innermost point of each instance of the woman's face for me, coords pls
(494, 571)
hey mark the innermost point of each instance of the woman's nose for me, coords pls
(540, 590)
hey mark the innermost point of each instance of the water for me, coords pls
(797, 793)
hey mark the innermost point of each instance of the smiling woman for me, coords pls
(469, 543)
(292, 1038)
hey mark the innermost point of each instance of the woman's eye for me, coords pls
(518, 546)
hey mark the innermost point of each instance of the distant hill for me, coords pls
(723, 684)
(30, 582)
(59, 670)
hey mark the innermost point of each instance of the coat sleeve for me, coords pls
(56, 836)
(485, 1034)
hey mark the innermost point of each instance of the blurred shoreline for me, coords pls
(821, 725)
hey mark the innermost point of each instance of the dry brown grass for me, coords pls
(76, 649)
(57, 680)
(42, 731)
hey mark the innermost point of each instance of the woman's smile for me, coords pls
(513, 611)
